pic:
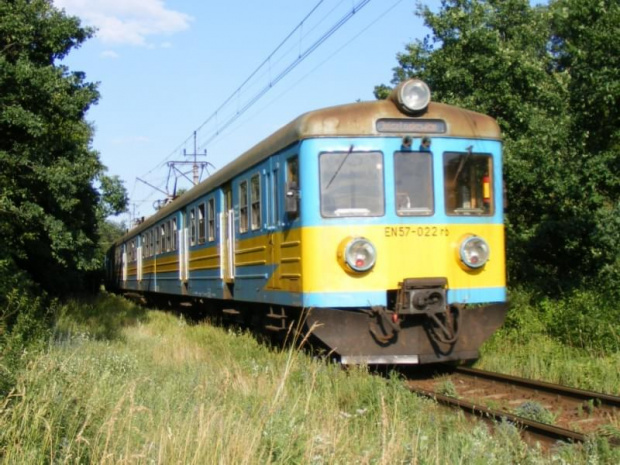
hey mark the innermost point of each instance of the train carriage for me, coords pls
(380, 223)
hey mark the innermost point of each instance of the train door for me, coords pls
(139, 258)
(183, 248)
(124, 262)
(272, 217)
(227, 241)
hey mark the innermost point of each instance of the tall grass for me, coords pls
(540, 341)
(156, 389)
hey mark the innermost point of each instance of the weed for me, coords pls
(535, 411)
(447, 388)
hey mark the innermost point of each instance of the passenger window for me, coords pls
(211, 219)
(162, 238)
(255, 201)
(201, 223)
(168, 241)
(174, 234)
(243, 206)
(192, 226)
(413, 177)
(468, 183)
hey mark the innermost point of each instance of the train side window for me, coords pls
(162, 238)
(413, 178)
(144, 246)
(168, 236)
(192, 226)
(211, 219)
(468, 183)
(174, 234)
(201, 223)
(243, 206)
(255, 201)
(156, 237)
(293, 187)
(151, 242)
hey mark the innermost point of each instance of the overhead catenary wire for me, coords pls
(246, 105)
(287, 70)
(237, 91)
(310, 72)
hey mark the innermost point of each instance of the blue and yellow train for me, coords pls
(380, 224)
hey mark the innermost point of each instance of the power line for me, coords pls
(287, 70)
(307, 74)
(238, 90)
(302, 56)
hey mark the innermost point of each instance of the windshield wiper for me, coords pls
(339, 167)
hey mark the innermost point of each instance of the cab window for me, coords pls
(468, 183)
(351, 184)
(413, 176)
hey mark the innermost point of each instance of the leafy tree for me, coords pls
(534, 69)
(50, 209)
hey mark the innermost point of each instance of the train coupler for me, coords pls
(427, 296)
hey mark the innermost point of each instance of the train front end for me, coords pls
(402, 231)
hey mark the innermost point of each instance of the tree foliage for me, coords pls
(54, 192)
(550, 75)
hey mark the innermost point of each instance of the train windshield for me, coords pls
(468, 183)
(413, 175)
(351, 184)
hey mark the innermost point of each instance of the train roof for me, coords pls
(350, 120)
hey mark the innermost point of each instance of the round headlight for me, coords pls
(360, 254)
(474, 252)
(414, 95)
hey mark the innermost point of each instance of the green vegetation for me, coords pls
(535, 411)
(156, 389)
(54, 193)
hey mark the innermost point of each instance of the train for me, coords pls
(376, 226)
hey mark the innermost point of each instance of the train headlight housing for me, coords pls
(357, 254)
(474, 252)
(413, 96)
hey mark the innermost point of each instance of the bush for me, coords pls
(585, 318)
(25, 322)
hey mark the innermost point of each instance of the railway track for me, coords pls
(545, 412)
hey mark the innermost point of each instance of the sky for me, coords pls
(166, 67)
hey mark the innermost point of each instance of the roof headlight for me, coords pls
(413, 95)
(359, 254)
(474, 252)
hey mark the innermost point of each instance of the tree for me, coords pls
(517, 63)
(50, 209)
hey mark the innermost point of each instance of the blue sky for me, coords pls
(165, 67)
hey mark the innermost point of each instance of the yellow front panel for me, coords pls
(403, 251)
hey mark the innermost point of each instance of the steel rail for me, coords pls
(533, 427)
(581, 394)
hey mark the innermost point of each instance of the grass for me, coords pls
(121, 384)
(538, 356)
